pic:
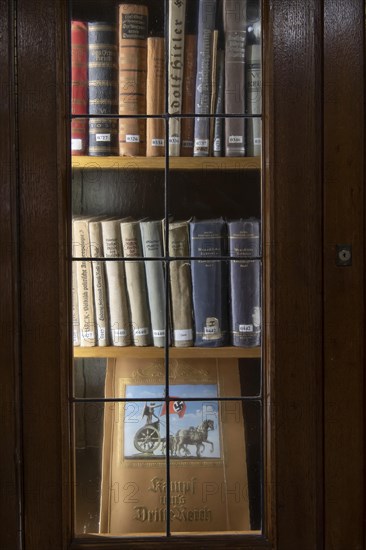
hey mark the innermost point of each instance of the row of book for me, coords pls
(213, 302)
(213, 71)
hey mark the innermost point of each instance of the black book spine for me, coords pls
(218, 144)
(245, 283)
(209, 282)
(206, 25)
(103, 88)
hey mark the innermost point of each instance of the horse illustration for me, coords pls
(194, 436)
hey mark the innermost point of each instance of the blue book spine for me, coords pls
(209, 282)
(103, 88)
(245, 283)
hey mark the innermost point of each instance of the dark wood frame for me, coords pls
(314, 198)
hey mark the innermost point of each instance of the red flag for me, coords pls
(175, 407)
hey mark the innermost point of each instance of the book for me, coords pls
(102, 63)
(254, 100)
(189, 82)
(99, 283)
(152, 245)
(79, 86)
(119, 320)
(75, 308)
(235, 24)
(180, 285)
(218, 138)
(84, 281)
(136, 283)
(206, 25)
(209, 282)
(245, 282)
(176, 29)
(155, 97)
(207, 448)
(215, 37)
(133, 19)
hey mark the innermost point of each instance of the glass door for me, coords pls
(167, 293)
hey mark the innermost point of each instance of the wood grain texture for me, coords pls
(158, 163)
(44, 308)
(176, 353)
(294, 292)
(11, 453)
(343, 286)
(180, 543)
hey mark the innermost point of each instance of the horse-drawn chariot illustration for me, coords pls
(148, 438)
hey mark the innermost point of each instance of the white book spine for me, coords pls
(84, 282)
(153, 248)
(75, 309)
(177, 14)
(99, 285)
(136, 284)
(119, 322)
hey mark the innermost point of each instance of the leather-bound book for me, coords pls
(209, 282)
(155, 97)
(132, 32)
(189, 82)
(176, 24)
(235, 22)
(102, 61)
(206, 25)
(218, 139)
(245, 282)
(79, 86)
(254, 100)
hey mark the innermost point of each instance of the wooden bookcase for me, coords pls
(314, 200)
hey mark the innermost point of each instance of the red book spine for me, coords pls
(79, 86)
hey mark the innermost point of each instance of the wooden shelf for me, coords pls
(158, 163)
(158, 353)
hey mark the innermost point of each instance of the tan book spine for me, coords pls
(155, 95)
(132, 78)
(176, 23)
(136, 284)
(119, 321)
(99, 286)
(180, 285)
(84, 282)
(189, 84)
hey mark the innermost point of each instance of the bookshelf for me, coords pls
(137, 352)
(158, 163)
(203, 194)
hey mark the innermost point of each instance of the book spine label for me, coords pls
(99, 284)
(189, 82)
(153, 248)
(180, 286)
(132, 78)
(103, 137)
(206, 23)
(79, 86)
(103, 94)
(176, 24)
(254, 100)
(209, 283)
(119, 321)
(218, 140)
(84, 281)
(155, 96)
(245, 283)
(235, 42)
(136, 284)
